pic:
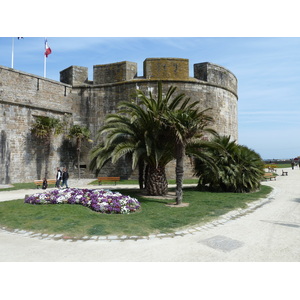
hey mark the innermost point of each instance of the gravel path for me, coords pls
(268, 231)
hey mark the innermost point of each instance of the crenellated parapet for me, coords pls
(165, 69)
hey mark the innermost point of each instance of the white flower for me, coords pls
(123, 202)
(60, 199)
(68, 195)
(124, 210)
(103, 206)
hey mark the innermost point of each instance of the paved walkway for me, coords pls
(268, 231)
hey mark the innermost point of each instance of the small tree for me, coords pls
(80, 134)
(43, 129)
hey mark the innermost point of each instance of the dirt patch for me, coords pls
(169, 196)
(177, 205)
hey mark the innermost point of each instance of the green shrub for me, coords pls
(238, 168)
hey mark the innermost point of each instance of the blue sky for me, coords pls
(268, 72)
(258, 41)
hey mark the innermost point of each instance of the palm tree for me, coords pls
(139, 136)
(251, 169)
(220, 151)
(136, 130)
(154, 131)
(44, 128)
(183, 123)
(239, 169)
(189, 126)
(80, 134)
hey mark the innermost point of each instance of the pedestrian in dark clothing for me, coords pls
(65, 177)
(58, 178)
(45, 184)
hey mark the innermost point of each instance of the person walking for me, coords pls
(45, 184)
(65, 177)
(293, 164)
(58, 177)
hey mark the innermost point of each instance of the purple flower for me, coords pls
(104, 201)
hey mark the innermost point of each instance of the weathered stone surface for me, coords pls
(116, 72)
(166, 68)
(24, 96)
(74, 75)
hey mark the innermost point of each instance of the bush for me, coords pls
(237, 169)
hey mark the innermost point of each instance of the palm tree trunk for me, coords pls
(78, 163)
(47, 155)
(141, 174)
(78, 142)
(157, 184)
(180, 153)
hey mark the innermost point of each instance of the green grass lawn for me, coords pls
(281, 166)
(21, 186)
(154, 216)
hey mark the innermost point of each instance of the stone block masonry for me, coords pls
(117, 72)
(166, 68)
(77, 100)
(74, 75)
(23, 97)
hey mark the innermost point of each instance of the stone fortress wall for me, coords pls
(78, 100)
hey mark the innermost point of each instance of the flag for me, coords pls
(47, 48)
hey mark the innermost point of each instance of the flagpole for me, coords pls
(45, 66)
(12, 52)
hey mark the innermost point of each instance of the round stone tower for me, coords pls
(77, 100)
(220, 94)
(212, 86)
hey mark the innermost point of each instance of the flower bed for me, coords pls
(103, 201)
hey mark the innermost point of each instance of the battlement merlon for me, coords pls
(166, 68)
(74, 75)
(115, 72)
(216, 75)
